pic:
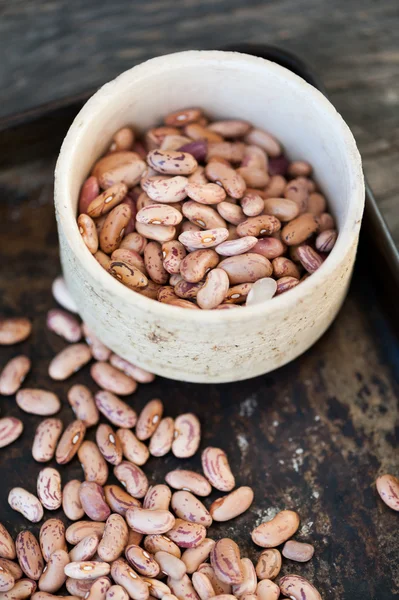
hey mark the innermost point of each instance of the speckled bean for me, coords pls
(89, 569)
(182, 118)
(71, 504)
(119, 500)
(246, 268)
(388, 490)
(109, 444)
(159, 214)
(219, 586)
(7, 546)
(158, 233)
(248, 585)
(284, 267)
(155, 136)
(22, 589)
(14, 330)
(269, 247)
(186, 506)
(82, 403)
(52, 537)
(127, 274)
(93, 464)
(204, 239)
(132, 448)
(143, 562)
(88, 231)
(203, 586)
(325, 221)
(64, 325)
(116, 592)
(286, 283)
(265, 140)
(133, 241)
(214, 290)
(226, 561)
(29, 554)
(150, 521)
(10, 430)
(216, 469)
(186, 534)
(157, 497)
(182, 588)
(49, 488)
(196, 264)
(298, 588)
(128, 172)
(99, 589)
(187, 435)
(297, 190)
(300, 229)
(202, 215)
(258, 226)
(70, 360)
(70, 442)
(79, 588)
(7, 580)
(297, 551)
(205, 193)
(123, 574)
(154, 543)
(325, 241)
(174, 142)
(268, 590)
(53, 576)
(165, 189)
(114, 228)
(234, 504)
(38, 402)
(107, 200)
(196, 483)
(276, 531)
(92, 499)
(133, 371)
(112, 380)
(114, 539)
(89, 190)
(173, 253)
(13, 375)
(171, 162)
(232, 182)
(132, 478)
(231, 212)
(309, 258)
(25, 503)
(85, 549)
(162, 438)
(255, 178)
(237, 294)
(269, 564)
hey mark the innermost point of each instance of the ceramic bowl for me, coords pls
(226, 345)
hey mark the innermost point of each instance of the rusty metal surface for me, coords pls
(311, 436)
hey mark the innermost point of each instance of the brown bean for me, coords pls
(109, 444)
(127, 274)
(258, 226)
(133, 371)
(10, 430)
(153, 258)
(275, 188)
(119, 500)
(230, 128)
(216, 469)
(276, 531)
(155, 136)
(112, 380)
(197, 132)
(281, 208)
(133, 241)
(284, 267)
(128, 172)
(132, 478)
(388, 490)
(123, 139)
(38, 402)
(299, 167)
(103, 259)
(87, 230)
(297, 588)
(125, 576)
(49, 488)
(226, 561)
(196, 264)
(7, 546)
(255, 157)
(187, 435)
(316, 204)
(25, 503)
(182, 118)
(107, 200)
(231, 212)
(265, 140)
(186, 534)
(234, 504)
(298, 191)
(196, 483)
(114, 228)
(69, 442)
(174, 142)
(162, 438)
(233, 183)
(300, 229)
(89, 190)
(154, 543)
(237, 294)
(325, 221)
(82, 403)
(114, 539)
(29, 554)
(269, 564)
(142, 561)
(92, 499)
(70, 500)
(309, 258)
(14, 330)
(133, 450)
(150, 521)
(93, 464)
(13, 375)
(254, 178)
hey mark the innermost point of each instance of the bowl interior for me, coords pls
(225, 85)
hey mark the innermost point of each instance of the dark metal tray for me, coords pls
(311, 436)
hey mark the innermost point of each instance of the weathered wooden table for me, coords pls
(311, 436)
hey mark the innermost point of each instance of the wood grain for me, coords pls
(53, 49)
(312, 436)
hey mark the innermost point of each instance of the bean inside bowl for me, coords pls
(212, 345)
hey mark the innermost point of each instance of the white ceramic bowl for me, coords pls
(212, 346)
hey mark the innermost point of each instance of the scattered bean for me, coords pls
(10, 430)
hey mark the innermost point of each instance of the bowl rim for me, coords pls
(66, 218)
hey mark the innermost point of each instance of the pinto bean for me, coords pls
(93, 464)
(133, 449)
(119, 500)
